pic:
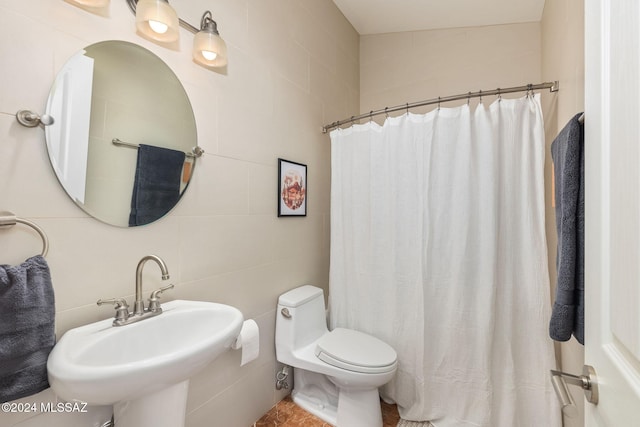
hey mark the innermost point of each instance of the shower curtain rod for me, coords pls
(552, 86)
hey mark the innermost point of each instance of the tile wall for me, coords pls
(418, 65)
(293, 66)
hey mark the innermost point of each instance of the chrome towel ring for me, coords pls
(8, 219)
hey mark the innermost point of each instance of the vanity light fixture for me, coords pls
(208, 47)
(157, 20)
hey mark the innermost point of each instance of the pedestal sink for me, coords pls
(143, 369)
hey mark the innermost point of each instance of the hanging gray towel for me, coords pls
(157, 183)
(567, 151)
(27, 315)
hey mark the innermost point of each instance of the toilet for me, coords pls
(336, 373)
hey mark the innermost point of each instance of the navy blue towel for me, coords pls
(156, 189)
(27, 316)
(567, 151)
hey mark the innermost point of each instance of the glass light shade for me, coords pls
(209, 49)
(89, 3)
(157, 20)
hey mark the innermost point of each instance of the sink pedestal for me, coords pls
(163, 408)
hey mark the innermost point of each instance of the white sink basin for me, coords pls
(106, 365)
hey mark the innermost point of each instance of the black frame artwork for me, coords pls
(292, 188)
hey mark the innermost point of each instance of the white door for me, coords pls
(612, 196)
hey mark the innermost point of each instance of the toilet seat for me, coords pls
(355, 351)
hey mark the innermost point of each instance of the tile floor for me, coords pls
(288, 414)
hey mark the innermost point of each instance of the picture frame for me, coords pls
(292, 188)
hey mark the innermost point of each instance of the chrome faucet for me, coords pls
(123, 316)
(138, 305)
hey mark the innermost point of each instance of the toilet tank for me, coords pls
(307, 323)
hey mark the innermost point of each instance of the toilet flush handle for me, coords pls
(285, 313)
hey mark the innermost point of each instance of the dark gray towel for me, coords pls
(156, 189)
(27, 315)
(567, 151)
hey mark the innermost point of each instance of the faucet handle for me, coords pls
(154, 299)
(121, 306)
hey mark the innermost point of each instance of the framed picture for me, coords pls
(292, 188)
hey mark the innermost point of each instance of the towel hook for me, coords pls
(8, 219)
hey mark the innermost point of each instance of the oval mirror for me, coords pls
(124, 135)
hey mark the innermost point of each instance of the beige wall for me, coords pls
(563, 60)
(407, 67)
(293, 66)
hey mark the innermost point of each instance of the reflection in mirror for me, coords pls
(124, 134)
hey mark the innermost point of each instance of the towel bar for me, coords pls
(195, 151)
(8, 219)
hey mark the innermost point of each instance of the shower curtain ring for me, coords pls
(386, 112)
(499, 95)
(407, 108)
(438, 103)
(370, 116)
(469, 98)
(480, 95)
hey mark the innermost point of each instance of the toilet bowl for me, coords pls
(336, 373)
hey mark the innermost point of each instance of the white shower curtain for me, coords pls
(438, 247)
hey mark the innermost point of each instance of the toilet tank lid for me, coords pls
(299, 296)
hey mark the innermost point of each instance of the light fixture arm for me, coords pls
(184, 24)
(208, 24)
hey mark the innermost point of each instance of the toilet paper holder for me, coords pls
(248, 341)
